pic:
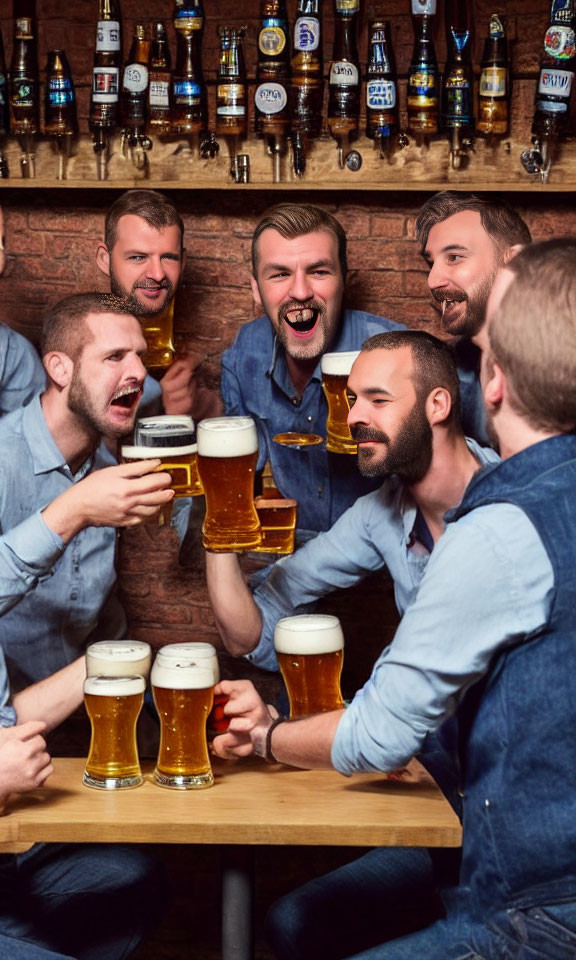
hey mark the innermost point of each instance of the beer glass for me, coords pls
(113, 705)
(278, 519)
(335, 369)
(159, 335)
(310, 651)
(118, 658)
(227, 458)
(172, 438)
(183, 694)
(204, 654)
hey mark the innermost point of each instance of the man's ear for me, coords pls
(59, 367)
(494, 386)
(103, 258)
(256, 292)
(512, 251)
(438, 405)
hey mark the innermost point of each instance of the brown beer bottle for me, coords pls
(4, 109)
(344, 81)
(422, 91)
(231, 91)
(23, 85)
(381, 89)
(105, 98)
(189, 106)
(60, 104)
(160, 82)
(493, 88)
(271, 94)
(457, 116)
(557, 67)
(307, 85)
(135, 86)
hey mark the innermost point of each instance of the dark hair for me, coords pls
(156, 209)
(533, 334)
(64, 328)
(293, 220)
(500, 221)
(434, 365)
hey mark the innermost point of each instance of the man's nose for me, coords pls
(155, 269)
(301, 286)
(358, 413)
(135, 369)
(437, 277)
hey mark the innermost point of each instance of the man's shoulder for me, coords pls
(357, 323)
(258, 332)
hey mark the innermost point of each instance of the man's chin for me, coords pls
(146, 307)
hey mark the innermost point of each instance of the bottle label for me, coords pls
(159, 93)
(270, 98)
(561, 11)
(105, 84)
(551, 106)
(424, 6)
(108, 35)
(306, 33)
(493, 82)
(560, 42)
(23, 92)
(459, 103)
(60, 91)
(380, 94)
(135, 78)
(24, 29)
(230, 91)
(558, 83)
(271, 41)
(187, 19)
(344, 74)
(347, 6)
(187, 92)
(231, 110)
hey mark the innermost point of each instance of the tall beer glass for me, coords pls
(335, 370)
(113, 705)
(183, 694)
(118, 658)
(227, 458)
(173, 440)
(310, 651)
(204, 654)
(158, 331)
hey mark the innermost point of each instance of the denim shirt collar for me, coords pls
(45, 453)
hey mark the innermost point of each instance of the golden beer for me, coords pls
(278, 519)
(183, 694)
(113, 705)
(310, 650)
(203, 654)
(335, 370)
(227, 459)
(158, 331)
(118, 658)
(171, 438)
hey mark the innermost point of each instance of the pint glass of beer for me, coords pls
(227, 458)
(118, 658)
(183, 693)
(278, 518)
(159, 334)
(310, 652)
(113, 705)
(173, 440)
(335, 369)
(204, 654)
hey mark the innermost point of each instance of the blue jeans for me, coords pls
(389, 892)
(85, 901)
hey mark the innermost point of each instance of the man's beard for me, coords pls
(80, 403)
(408, 456)
(473, 319)
(133, 304)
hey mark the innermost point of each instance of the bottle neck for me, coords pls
(345, 39)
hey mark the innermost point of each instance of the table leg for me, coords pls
(237, 903)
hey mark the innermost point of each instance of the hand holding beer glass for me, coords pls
(204, 654)
(118, 658)
(310, 650)
(113, 705)
(227, 458)
(183, 693)
(335, 370)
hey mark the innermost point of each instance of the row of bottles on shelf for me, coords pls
(146, 98)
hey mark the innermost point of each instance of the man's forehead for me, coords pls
(271, 245)
(133, 231)
(103, 326)
(463, 229)
(381, 367)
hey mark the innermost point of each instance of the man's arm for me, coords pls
(183, 394)
(237, 616)
(53, 699)
(22, 375)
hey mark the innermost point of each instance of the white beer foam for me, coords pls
(156, 453)
(185, 676)
(167, 419)
(114, 686)
(119, 650)
(226, 437)
(338, 364)
(308, 633)
(191, 649)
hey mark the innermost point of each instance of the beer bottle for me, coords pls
(60, 119)
(344, 81)
(422, 92)
(104, 101)
(232, 93)
(4, 109)
(307, 85)
(160, 81)
(493, 92)
(189, 105)
(135, 97)
(381, 89)
(271, 94)
(557, 67)
(24, 91)
(457, 116)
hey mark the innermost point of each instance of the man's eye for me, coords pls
(454, 257)
(137, 257)
(351, 399)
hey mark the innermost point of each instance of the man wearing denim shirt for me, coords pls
(58, 510)
(486, 655)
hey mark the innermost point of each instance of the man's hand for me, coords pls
(182, 394)
(250, 719)
(121, 496)
(24, 761)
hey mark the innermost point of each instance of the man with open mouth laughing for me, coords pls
(60, 504)
(272, 371)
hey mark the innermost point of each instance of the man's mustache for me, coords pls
(152, 285)
(441, 295)
(364, 434)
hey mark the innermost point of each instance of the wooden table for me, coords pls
(250, 804)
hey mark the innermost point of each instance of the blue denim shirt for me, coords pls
(376, 532)
(7, 711)
(21, 372)
(256, 383)
(488, 582)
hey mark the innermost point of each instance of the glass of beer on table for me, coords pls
(197, 651)
(335, 370)
(113, 705)
(118, 658)
(227, 458)
(183, 693)
(310, 650)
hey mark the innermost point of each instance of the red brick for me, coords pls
(387, 226)
(64, 221)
